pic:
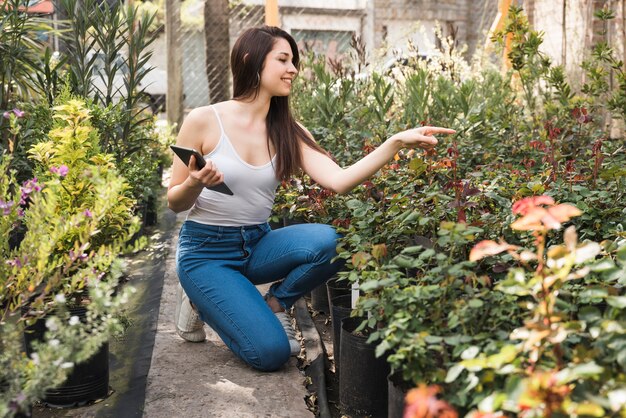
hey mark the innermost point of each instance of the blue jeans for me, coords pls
(219, 266)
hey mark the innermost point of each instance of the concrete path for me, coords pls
(197, 380)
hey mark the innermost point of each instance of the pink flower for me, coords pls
(61, 171)
(88, 213)
(523, 206)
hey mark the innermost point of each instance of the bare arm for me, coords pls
(187, 182)
(328, 174)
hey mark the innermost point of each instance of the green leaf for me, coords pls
(617, 301)
(382, 348)
(589, 409)
(621, 254)
(418, 166)
(603, 265)
(475, 303)
(433, 339)
(470, 352)
(581, 371)
(454, 372)
(596, 292)
(589, 314)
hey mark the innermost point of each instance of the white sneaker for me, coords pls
(188, 324)
(285, 321)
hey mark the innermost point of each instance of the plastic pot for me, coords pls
(88, 381)
(340, 308)
(319, 299)
(397, 389)
(363, 378)
(337, 288)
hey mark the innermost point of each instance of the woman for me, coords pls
(226, 246)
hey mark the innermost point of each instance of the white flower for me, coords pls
(67, 365)
(54, 342)
(74, 320)
(35, 357)
(60, 298)
(51, 325)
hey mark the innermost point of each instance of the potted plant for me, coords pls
(77, 221)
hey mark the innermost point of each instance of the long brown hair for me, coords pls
(246, 63)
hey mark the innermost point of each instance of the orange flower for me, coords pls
(422, 402)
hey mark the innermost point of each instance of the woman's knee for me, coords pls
(269, 356)
(323, 240)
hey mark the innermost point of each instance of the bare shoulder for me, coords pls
(199, 130)
(199, 117)
(228, 111)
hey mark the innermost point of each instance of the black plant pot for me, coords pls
(88, 381)
(340, 308)
(363, 378)
(335, 288)
(398, 389)
(319, 299)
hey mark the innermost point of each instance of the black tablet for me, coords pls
(185, 154)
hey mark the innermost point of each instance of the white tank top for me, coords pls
(253, 187)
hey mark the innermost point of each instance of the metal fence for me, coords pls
(207, 29)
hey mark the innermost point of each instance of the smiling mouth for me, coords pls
(287, 80)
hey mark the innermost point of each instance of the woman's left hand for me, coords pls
(421, 137)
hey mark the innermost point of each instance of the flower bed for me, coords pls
(537, 330)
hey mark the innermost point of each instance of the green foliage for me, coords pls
(80, 205)
(407, 232)
(73, 148)
(19, 52)
(566, 359)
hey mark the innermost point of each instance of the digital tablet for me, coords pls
(185, 154)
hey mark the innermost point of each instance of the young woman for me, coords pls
(225, 246)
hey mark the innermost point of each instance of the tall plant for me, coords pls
(20, 57)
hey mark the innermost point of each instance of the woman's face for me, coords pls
(278, 69)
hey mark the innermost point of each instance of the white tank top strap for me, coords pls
(219, 121)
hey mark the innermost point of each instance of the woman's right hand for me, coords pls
(208, 176)
(421, 137)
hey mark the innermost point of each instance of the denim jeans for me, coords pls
(219, 266)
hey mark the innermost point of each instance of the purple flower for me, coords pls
(17, 112)
(61, 171)
(74, 256)
(88, 213)
(16, 262)
(27, 188)
(6, 206)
